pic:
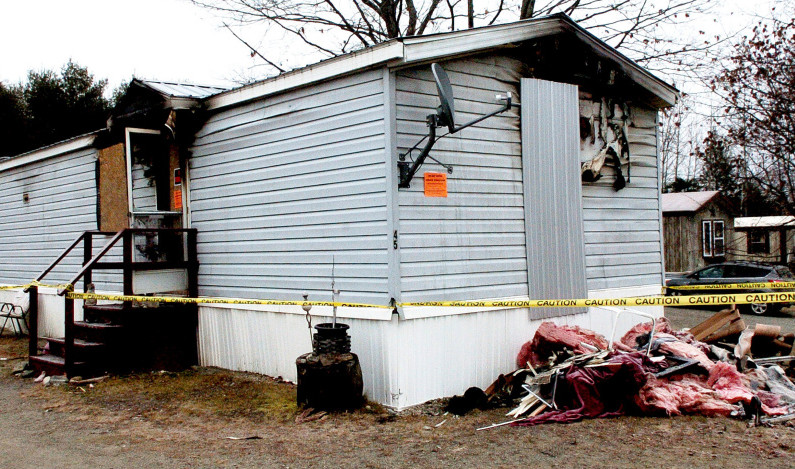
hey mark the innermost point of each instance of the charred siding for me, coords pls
(622, 229)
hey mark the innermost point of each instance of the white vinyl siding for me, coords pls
(282, 187)
(62, 204)
(622, 229)
(471, 244)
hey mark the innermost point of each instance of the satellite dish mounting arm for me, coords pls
(444, 116)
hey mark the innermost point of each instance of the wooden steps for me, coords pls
(119, 339)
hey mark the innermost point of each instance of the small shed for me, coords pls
(698, 229)
(295, 181)
(760, 239)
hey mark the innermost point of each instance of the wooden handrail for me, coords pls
(89, 265)
(127, 266)
(130, 231)
(67, 251)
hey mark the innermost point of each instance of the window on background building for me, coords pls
(758, 242)
(713, 238)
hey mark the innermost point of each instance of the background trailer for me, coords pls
(295, 176)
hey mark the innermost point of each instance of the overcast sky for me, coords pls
(168, 40)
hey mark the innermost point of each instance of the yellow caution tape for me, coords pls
(736, 286)
(211, 300)
(694, 300)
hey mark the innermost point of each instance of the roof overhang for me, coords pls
(66, 146)
(416, 50)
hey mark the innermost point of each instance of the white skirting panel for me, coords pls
(404, 362)
(51, 305)
(268, 343)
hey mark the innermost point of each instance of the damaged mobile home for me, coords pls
(263, 190)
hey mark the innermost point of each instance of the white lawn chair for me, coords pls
(16, 312)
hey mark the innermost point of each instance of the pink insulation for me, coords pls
(552, 338)
(689, 395)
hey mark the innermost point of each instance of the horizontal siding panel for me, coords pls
(291, 245)
(338, 256)
(310, 193)
(621, 248)
(318, 111)
(351, 180)
(601, 283)
(62, 205)
(411, 227)
(283, 282)
(413, 199)
(305, 170)
(620, 226)
(465, 280)
(616, 214)
(298, 220)
(484, 266)
(308, 232)
(455, 253)
(623, 228)
(282, 103)
(598, 237)
(470, 244)
(241, 162)
(610, 271)
(289, 187)
(263, 271)
(621, 259)
(209, 212)
(347, 127)
(463, 240)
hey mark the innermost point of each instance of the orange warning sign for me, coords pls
(177, 199)
(435, 184)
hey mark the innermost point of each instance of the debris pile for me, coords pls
(567, 373)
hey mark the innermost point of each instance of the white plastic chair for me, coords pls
(16, 312)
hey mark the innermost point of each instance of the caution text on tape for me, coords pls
(737, 286)
(694, 300)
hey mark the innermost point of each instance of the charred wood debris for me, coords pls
(720, 367)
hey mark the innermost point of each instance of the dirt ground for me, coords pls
(184, 420)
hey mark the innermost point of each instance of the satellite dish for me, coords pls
(446, 112)
(444, 116)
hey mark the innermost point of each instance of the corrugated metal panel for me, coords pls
(622, 229)
(553, 194)
(183, 90)
(296, 179)
(471, 244)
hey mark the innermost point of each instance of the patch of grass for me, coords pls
(11, 346)
(201, 392)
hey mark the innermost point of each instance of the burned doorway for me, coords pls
(154, 192)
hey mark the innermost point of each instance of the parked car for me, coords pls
(735, 272)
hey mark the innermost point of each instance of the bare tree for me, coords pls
(757, 86)
(335, 27)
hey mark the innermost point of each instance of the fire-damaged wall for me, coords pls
(112, 188)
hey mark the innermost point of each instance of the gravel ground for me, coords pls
(183, 420)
